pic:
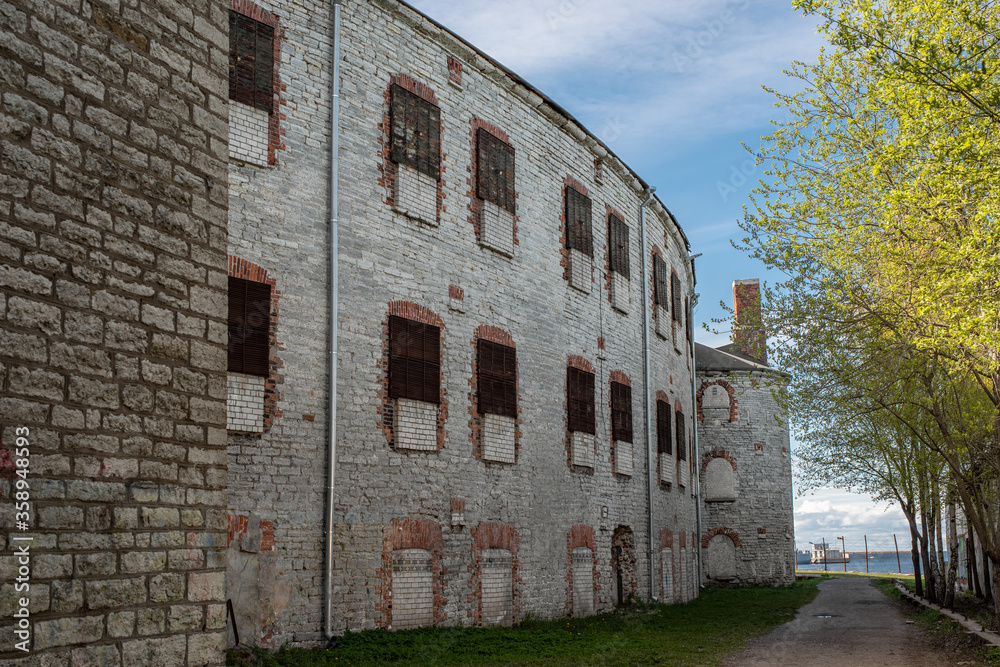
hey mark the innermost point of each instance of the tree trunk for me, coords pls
(914, 550)
(949, 591)
(970, 549)
(938, 552)
(930, 590)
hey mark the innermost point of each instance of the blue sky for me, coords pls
(673, 87)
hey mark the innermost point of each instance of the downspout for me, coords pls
(650, 472)
(694, 431)
(334, 316)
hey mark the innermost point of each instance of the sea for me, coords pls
(878, 561)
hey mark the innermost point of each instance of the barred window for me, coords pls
(414, 360)
(580, 400)
(496, 369)
(251, 61)
(621, 412)
(249, 327)
(663, 442)
(681, 437)
(661, 296)
(416, 132)
(579, 235)
(494, 170)
(618, 245)
(676, 296)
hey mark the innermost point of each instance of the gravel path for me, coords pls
(849, 623)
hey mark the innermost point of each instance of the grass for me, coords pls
(702, 632)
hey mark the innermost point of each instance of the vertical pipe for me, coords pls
(650, 468)
(694, 430)
(334, 313)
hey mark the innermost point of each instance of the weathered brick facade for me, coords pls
(113, 200)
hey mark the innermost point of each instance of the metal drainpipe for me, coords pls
(334, 313)
(694, 431)
(645, 361)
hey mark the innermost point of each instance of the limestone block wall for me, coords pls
(113, 199)
(460, 274)
(746, 480)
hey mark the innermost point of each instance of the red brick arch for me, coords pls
(729, 390)
(718, 454)
(728, 532)
(494, 536)
(409, 534)
(580, 535)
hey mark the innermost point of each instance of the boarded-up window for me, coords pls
(663, 440)
(251, 61)
(660, 294)
(416, 132)
(580, 400)
(720, 481)
(579, 234)
(412, 588)
(676, 296)
(494, 170)
(249, 327)
(681, 437)
(497, 377)
(414, 360)
(618, 245)
(621, 412)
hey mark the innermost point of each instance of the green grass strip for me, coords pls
(702, 632)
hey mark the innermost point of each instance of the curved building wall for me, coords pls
(427, 529)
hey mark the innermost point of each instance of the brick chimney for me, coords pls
(748, 329)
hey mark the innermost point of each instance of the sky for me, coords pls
(673, 87)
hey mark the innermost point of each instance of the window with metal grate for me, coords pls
(663, 425)
(496, 370)
(579, 233)
(618, 245)
(251, 61)
(414, 360)
(494, 170)
(661, 295)
(580, 400)
(416, 132)
(681, 436)
(249, 327)
(676, 297)
(621, 412)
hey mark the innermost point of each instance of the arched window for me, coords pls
(720, 481)
(721, 558)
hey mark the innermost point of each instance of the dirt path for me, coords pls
(849, 623)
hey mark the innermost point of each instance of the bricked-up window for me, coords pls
(497, 370)
(414, 360)
(249, 327)
(580, 400)
(681, 437)
(663, 419)
(676, 296)
(621, 412)
(661, 295)
(416, 132)
(494, 170)
(251, 61)
(579, 234)
(618, 245)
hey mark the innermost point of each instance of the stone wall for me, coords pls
(456, 270)
(113, 199)
(746, 475)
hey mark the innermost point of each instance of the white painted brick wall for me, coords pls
(244, 403)
(580, 270)
(662, 317)
(720, 481)
(583, 581)
(414, 425)
(623, 458)
(582, 449)
(248, 133)
(496, 228)
(496, 570)
(621, 292)
(667, 568)
(498, 438)
(416, 195)
(412, 588)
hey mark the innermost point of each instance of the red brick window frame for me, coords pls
(495, 169)
(580, 535)
(681, 429)
(253, 12)
(388, 164)
(492, 134)
(494, 536)
(664, 437)
(618, 244)
(661, 286)
(498, 337)
(417, 313)
(409, 534)
(579, 220)
(245, 270)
